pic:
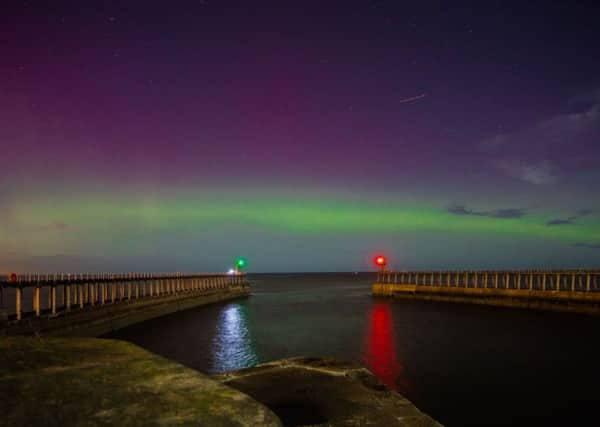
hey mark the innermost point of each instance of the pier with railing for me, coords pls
(36, 299)
(564, 290)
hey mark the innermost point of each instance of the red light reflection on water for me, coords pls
(381, 356)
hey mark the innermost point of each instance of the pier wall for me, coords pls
(93, 306)
(576, 292)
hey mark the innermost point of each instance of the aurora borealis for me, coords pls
(153, 136)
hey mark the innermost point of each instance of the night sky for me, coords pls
(303, 135)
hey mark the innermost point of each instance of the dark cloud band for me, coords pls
(498, 213)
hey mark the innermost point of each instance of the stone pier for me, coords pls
(566, 290)
(95, 304)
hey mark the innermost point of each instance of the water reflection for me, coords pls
(380, 354)
(232, 345)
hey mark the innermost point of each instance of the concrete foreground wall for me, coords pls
(99, 382)
(325, 392)
(48, 381)
(567, 301)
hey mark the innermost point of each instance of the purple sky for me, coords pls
(462, 110)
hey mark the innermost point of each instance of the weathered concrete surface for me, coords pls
(325, 392)
(98, 382)
(100, 320)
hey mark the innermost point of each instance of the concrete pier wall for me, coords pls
(99, 320)
(555, 300)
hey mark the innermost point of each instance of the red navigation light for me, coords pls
(380, 260)
(13, 277)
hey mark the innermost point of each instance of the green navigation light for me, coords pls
(240, 263)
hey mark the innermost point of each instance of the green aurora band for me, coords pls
(94, 221)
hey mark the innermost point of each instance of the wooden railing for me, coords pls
(551, 281)
(23, 295)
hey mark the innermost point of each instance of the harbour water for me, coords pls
(461, 364)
